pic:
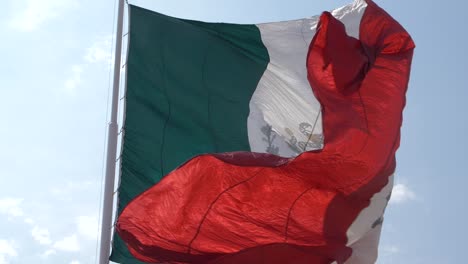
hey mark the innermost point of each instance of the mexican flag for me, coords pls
(268, 143)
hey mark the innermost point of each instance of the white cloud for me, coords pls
(11, 207)
(37, 12)
(72, 187)
(75, 262)
(7, 250)
(401, 193)
(29, 221)
(48, 253)
(69, 244)
(75, 79)
(41, 235)
(100, 51)
(392, 249)
(389, 250)
(87, 226)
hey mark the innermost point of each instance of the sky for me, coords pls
(54, 82)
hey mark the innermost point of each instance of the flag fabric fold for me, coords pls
(257, 156)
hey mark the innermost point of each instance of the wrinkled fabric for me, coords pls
(245, 207)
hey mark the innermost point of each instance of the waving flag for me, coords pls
(269, 143)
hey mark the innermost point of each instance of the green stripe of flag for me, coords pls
(188, 91)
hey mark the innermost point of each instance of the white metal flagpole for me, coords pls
(107, 209)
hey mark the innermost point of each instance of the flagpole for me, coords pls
(107, 208)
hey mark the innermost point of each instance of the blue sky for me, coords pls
(54, 79)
